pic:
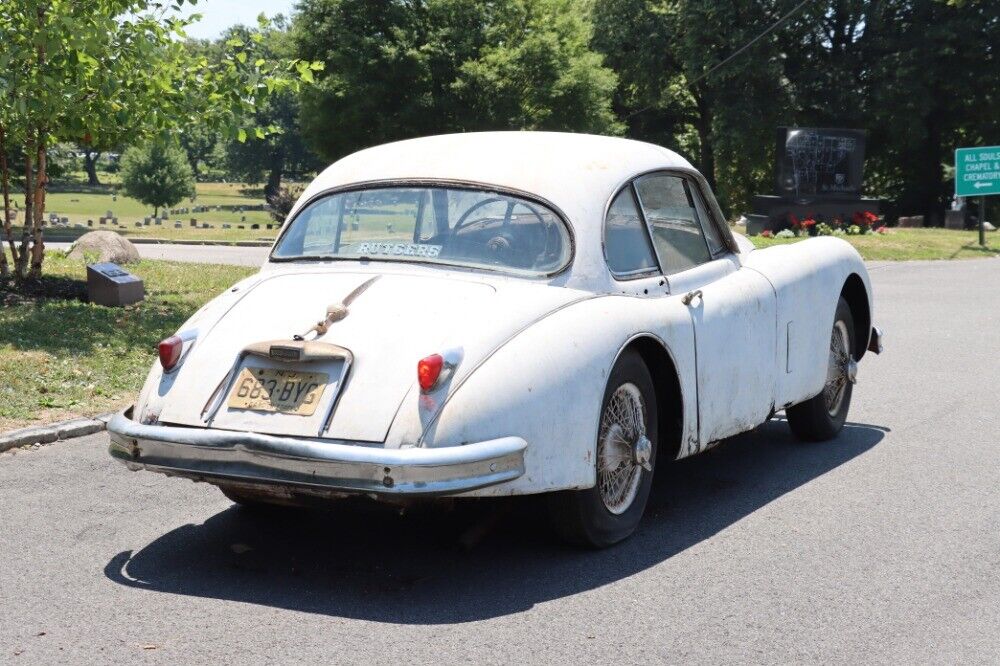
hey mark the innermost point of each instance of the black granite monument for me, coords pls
(818, 174)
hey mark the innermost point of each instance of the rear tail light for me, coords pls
(429, 371)
(170, 351)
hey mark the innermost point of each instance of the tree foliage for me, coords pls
(401, 68)
(93, 71)
(921, 76)
(157, 174)
(283, 151)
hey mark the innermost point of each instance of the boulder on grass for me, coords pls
(107, 244)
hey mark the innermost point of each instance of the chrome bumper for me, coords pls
(218, 456)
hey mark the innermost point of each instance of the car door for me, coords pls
(732, 308)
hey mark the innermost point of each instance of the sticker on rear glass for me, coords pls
(399, 249)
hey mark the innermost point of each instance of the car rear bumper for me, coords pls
(218, 456)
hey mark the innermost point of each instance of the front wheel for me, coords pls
(823, 416)
(626, 454)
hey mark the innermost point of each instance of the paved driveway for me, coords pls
(882, 546)
(202, 254)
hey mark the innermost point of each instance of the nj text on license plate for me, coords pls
(274, 390)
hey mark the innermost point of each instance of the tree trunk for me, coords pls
(90, 158)
(707, 148)
(930, 171)
(41, 182)
(21, 266)
(274, 175)
(8, 231)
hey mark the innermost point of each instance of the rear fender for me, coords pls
(547, 384)
(808, 278)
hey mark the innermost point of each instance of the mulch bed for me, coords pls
(46, 287)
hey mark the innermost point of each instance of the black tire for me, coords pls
(582, 516)
(816, 419)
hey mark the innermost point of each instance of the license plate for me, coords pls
(274, 390)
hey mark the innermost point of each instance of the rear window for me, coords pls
(463, 227)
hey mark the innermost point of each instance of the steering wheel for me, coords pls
(502, 244)
(464, 219)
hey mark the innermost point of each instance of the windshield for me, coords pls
(465, 227)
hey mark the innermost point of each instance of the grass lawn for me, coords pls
(60, 359)
(905, 244)
(80, 206)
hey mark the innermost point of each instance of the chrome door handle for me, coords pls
(690, 296)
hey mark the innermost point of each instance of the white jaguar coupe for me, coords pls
(501, 314)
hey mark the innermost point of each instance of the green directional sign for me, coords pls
(977, 171)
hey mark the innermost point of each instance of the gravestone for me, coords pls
(227, 226)
(194, 222)
(204, 225)
(159, 223)
(240, 226)
(911, 222)
(109, 284)
(90, 223)
(255, 226)
(954, 219)
(178, 225)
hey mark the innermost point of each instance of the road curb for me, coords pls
(53, 432)
(168, 241)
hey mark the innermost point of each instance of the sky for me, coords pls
(217, 15)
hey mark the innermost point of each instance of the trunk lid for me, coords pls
(397, 320)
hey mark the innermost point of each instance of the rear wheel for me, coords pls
(823, 416)
(626, 455)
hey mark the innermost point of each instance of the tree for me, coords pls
(283, 151)
(84, 71)
(397, 69)
(665, 53)
(157, 174)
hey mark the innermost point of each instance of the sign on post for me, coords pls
(977, 171)
(977, 174)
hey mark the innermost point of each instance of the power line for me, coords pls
(777, 24)
(753, 41)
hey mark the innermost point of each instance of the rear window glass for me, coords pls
(465, 227)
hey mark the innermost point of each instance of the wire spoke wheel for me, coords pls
(623, 424)
(837, 372)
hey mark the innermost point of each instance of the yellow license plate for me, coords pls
(274, 390)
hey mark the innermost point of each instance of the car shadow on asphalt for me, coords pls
(477, 561)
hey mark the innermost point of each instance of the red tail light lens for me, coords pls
(170, 351)
(428, 371)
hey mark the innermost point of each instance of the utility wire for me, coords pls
(777, 24)
(753, 41)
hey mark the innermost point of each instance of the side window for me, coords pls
(712, 235)
(673, 221)
(626, 242)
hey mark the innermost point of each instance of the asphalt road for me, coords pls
(880, 547)
(202, 254)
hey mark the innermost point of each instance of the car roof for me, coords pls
(577, 173)
(557, 166)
